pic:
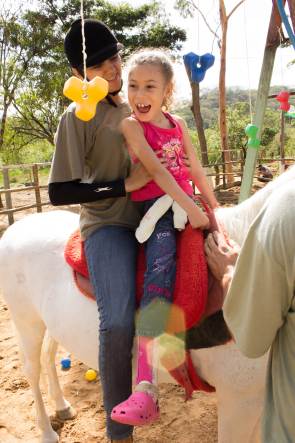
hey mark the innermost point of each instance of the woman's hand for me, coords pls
(221, 255)
(186, 161)
(137, 178)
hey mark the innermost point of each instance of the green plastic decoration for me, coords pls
(251, 132)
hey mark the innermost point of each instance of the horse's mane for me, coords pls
(238, 219)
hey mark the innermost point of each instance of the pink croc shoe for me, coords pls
(138, 410)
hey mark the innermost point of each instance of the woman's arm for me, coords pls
(197, 172)
(135, 139)
(75, 192)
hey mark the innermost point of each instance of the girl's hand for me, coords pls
(215, 205)
(198, 219)
(186, 161)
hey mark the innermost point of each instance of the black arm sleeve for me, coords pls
(73, 192)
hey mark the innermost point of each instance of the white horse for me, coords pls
(39, 290)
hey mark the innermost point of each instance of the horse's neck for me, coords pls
(238, 219)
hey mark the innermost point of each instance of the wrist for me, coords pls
(128, 185)
(227, 278)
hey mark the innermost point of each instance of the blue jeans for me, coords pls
(159, 278)
(111, 253)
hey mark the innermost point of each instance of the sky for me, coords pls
(247, 32)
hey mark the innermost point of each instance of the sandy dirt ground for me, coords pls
(190, 422)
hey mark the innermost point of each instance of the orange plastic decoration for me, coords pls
(86, 95)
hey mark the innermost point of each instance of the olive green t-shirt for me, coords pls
(94, 151)
(260, 308)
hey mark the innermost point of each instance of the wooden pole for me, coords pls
(37, 188)
(272, 43)
(196, 110)
(291, 4)
(222, 92)
(282, 142)
(8, 200)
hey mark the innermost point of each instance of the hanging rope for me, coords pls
(213, 7)
(248, 68)
(83, 47)
(281, 36)
(198, 31)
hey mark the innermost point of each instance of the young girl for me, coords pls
(151, 134)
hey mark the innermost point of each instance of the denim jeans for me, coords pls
(111, 253)
(159, 278)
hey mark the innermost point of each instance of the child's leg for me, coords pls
(159, 279)
(141, 408)
(145, 360)
(157, 297)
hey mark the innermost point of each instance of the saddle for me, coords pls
(191, 306)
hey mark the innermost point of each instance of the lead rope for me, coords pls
(84, 88)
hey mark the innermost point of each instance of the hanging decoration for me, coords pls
(251, 132)
(85, 94)
(283, 99)
(291, 112)
(198, 65)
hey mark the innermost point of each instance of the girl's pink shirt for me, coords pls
(167, 143)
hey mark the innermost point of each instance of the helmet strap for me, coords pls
(118, 90)
(111, 101)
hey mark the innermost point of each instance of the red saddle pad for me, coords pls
(191, 285)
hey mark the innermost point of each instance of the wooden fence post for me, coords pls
(282, 142)
(37, 188)
(8, 200)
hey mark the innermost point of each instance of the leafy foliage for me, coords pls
(35, 69)
(238, 117)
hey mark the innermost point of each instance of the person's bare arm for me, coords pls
(197, 172)
(135, 139)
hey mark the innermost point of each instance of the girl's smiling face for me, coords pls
(147, 91)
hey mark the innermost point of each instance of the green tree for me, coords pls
(18, 54)
(40, 104)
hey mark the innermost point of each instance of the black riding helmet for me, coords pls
(100, 43)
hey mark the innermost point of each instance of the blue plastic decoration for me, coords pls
(198, 65)
(65, 363)
(251, 132)
(286, 22)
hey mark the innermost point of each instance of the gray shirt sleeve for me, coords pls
(70, 146)
(262, 288)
